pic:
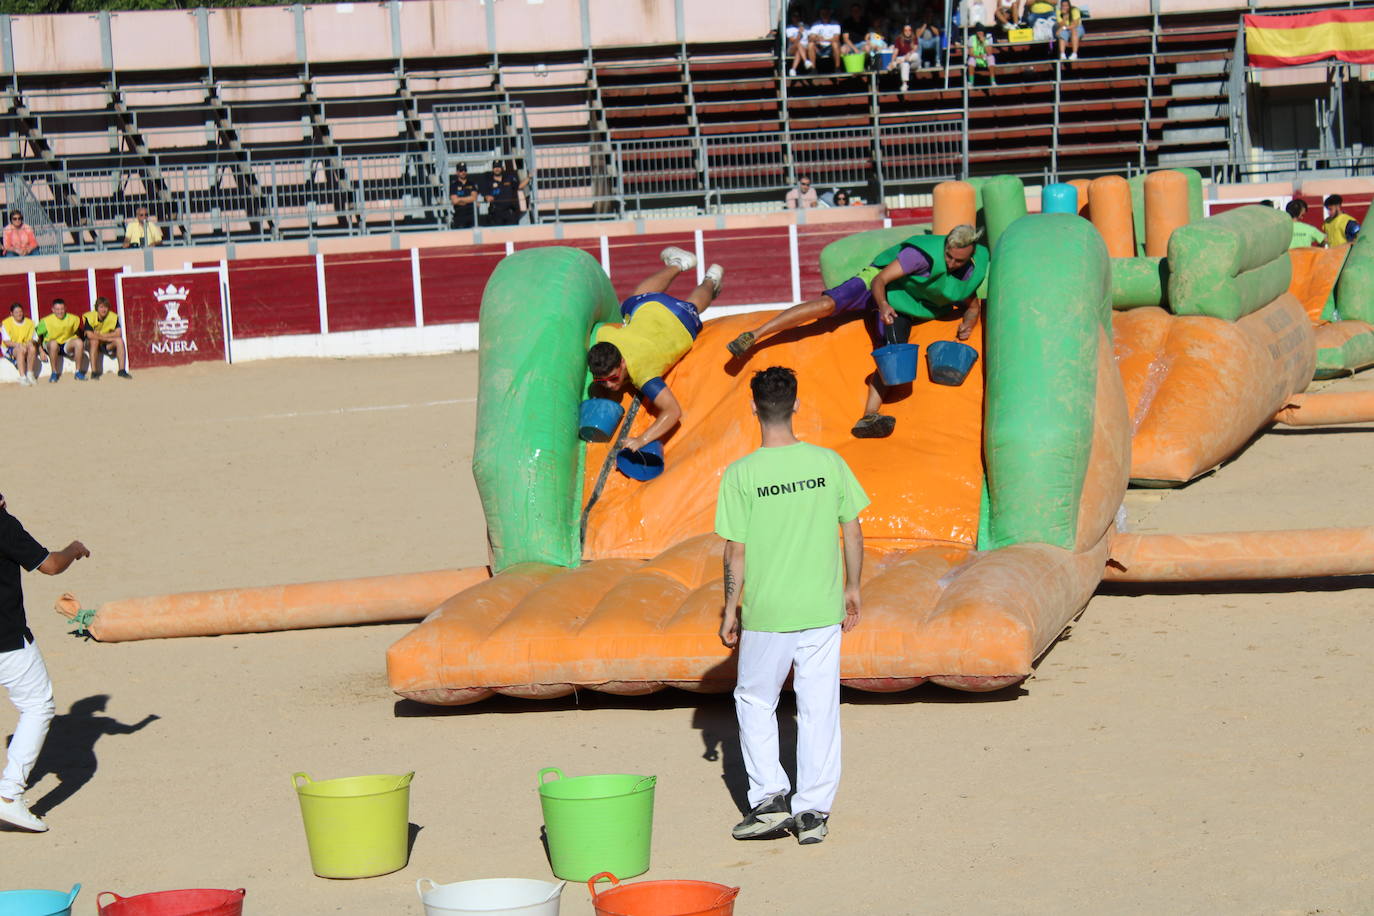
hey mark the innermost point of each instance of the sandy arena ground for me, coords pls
(1195, 750)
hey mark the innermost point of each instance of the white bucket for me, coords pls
(491, 897)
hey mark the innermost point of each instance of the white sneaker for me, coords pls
(1061, 56)
(1073, 56)
(676, 257)
(17, 813)
(715, 273)
(791, 71)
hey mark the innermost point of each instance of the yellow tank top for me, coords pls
(18, 332)
(652, 341)
(1335, 229)
(61, 330)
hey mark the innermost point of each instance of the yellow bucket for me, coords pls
(358, 827)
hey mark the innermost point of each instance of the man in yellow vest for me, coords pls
(658, 331)
(1340, 227)
(103, 338)
(18, 331)
(60, 333)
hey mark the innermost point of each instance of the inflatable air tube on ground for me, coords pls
(378, 599)
(1230, 265)
(1327, 408)
(1139, 282)
(1241, 555)
(1198, 388)
(538, 310)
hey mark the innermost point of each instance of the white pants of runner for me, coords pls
(813, 656)
(24, 675)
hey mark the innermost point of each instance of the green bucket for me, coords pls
(854, 63)
(358, 827)
(597, 823)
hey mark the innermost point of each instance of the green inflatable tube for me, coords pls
(538, 310)
(1004, 202)
(1355, 287)
(843, 258)
(1355, 354)
(1139, 282)
(1137, 186)
(1043, 321)
(1230, 265)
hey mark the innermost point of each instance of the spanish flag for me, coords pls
(1286, 41)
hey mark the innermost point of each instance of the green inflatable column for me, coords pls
(1004, 202)
(1044, 316)
(1355, 287)
(1137, 186)
(537, 312)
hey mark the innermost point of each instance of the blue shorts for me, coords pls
(685, 311)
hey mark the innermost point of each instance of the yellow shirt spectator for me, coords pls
(1071, 21)
(18, 332)
(135, 233)
(60, 330)
(107, 325)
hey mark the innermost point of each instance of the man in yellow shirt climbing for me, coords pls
(103, 338)
(60, 333)
(17, 332)
(658, 331)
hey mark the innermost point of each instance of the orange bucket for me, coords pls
(662, 898)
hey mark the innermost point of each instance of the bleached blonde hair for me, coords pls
(964, 236)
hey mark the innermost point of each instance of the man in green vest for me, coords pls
(923, 278)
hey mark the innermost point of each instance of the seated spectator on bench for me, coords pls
(1070, 29)
(904, 51)
(841, 198)
(18, 335)
(825, 33)
(1340, 227)
(800, 49)
(19, 240)
(1008, 13)
(928, 41)
(60, 334)
(853, 29)
(979, 54)
(1038, 10)
(803, 195)
(103, 338)
(1305, 235)
(141, 232)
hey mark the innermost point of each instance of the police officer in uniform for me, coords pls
(503, 197)
(462, 193)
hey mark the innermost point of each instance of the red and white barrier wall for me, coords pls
(422, 299)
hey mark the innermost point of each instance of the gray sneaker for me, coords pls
(768, 820)
(809, 826)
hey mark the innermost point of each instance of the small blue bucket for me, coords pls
(645, 464)
(38, 903)
(598, 418)
(897, 363)
(950, 361)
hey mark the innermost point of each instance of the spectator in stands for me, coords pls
(853, 30)
(904, 51)
(1008, 13)
(803, 195)
(462, 193)
(841, 198)
(103, 338)
(1304, 234)
(800, 50)
(19, 240)
(825, 33)
(928, 41)
(141, 232)
(17, 333)
(1340, 227)
(60, 334)
(979, 54)
(1069, 29)
(923, 278)
(503, 195)
(658, 331)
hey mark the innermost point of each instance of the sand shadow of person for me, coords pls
(715, 717)
(69, 751)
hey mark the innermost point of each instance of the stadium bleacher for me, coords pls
(344, 132)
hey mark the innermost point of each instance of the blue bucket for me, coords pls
(884, 59)
(950, 361)
(897, 363)
(645, 464)
(38, 903)
(598, 418)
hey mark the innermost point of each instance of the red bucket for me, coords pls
(173, 903)
(663, 898)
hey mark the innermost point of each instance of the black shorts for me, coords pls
(464, 217)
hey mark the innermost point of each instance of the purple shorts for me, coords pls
(853, 295)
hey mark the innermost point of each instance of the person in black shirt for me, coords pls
(853, 29)
(22, 672)
(503, 197)
(462, 193)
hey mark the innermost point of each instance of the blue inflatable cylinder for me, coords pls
(1059, 198)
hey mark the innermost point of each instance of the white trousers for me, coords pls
(813, 656)
(24, 675)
